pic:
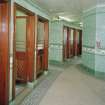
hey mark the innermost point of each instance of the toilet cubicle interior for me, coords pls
(42, 45)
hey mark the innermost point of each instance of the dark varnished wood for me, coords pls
(21, 66)
(75, 43)
(71, 45)
(80, 42)
(64, 43)
(35, 47)
(77, 47)
(4, 1)
(67, 44)
(40, 62)
(46, 42)
(30, 47)
(4, 54)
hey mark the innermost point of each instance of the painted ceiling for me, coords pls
(69, 8)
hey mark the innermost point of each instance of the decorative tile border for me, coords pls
(88, 50)
(92, 72)
(100, 52)
(94, 51)
(56, 46)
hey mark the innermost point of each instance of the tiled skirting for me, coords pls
(87, 70)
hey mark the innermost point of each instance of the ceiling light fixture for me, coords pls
(66, 19)
(81, 24)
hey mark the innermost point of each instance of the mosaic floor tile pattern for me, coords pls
(19, 89)
(38, 93)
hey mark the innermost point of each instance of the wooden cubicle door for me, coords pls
(46, 44)
(70, 42)
(4, 54)
(75, 44)
(66, 43)
(21, 63)
(80, 42)
(26, 57)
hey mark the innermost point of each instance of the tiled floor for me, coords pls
(68, 86)
(42, 87)
(19, 89)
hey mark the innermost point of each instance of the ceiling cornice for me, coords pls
(35, 4)
(94, 8)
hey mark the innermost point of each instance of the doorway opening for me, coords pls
(42, 45)
(24, 44)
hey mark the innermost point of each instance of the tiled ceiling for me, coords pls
(68, 8)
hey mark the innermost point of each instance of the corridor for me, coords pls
(52, 52)
(67, 85)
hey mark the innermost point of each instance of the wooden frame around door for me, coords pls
(43, 53)
(66, 47)
(30, 46)
(4, 53)
(77, 47)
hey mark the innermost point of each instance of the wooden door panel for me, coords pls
(4, 54)
(30, 47)
(21, 66)
(46, 42)
(68, 42)
(21, 50)
(80, 44)
(40, 61)
(65, 42)
(71, 42)
(46, 58)
(75, 43)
